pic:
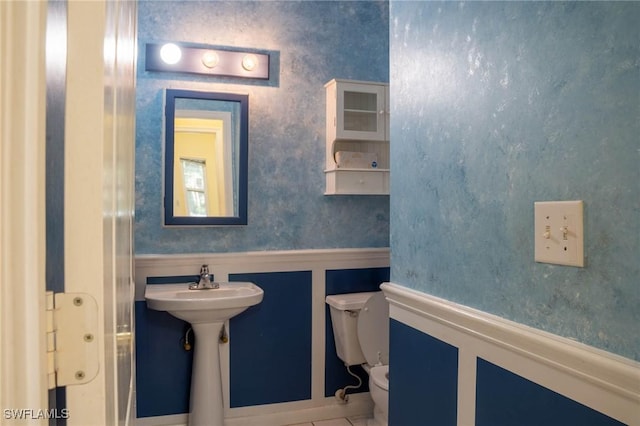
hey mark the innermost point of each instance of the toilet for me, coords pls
(360, 324)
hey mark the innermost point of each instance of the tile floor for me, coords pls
(351, 421)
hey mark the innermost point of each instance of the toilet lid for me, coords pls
(373, 329)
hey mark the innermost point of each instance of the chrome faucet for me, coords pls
(205, 282)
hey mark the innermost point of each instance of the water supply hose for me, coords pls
(341, 394)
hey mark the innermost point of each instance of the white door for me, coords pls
(98, 203)
(99, 153)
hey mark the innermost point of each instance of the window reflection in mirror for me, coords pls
(205, 158)
(194, 175)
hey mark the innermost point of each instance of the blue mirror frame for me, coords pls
(240, 216)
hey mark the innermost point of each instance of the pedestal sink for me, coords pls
(206, 310)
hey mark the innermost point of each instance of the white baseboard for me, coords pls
(359, 404)
(278, 414)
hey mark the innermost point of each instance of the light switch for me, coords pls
(559, 232)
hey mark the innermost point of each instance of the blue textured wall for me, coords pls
(316, 41)
(496, 105)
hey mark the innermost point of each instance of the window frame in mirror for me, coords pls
(169, 157)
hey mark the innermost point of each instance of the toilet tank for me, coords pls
(344, 310)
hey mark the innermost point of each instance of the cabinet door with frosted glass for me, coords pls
(361, 111)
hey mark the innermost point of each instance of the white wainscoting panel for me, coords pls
(224, 264)
(598, 379)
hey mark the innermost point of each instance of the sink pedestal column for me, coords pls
(206, 408)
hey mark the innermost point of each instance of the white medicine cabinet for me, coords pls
(357, 137)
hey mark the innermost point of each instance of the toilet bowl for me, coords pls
(379, 388)
(360, 323)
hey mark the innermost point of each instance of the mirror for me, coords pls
(206, 153)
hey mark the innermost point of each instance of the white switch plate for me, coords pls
(559, 232)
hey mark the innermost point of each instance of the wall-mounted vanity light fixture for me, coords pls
(174, 57)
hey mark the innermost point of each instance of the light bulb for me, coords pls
(249, 62)
(170, 53)
(210, 59)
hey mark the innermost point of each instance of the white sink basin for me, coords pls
(198, 306)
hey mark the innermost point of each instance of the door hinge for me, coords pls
(72, 343)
